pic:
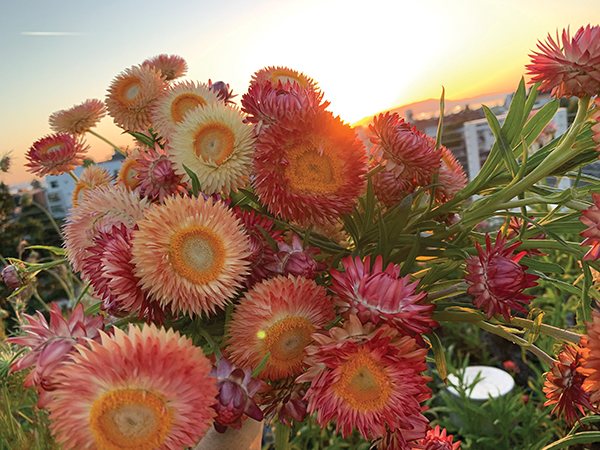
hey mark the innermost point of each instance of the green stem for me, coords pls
(52, 221)
(460, 287)
(282, 437)
(70, 172)
(122, 152)
(375, 170)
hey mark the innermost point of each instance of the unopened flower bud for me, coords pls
(15, 275)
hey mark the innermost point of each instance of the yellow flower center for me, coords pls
(286, 341)
(185, 103)
(197, 254)
(130, 419)
(79, 192)
(284, 76)
(128, 90)
(51, 148)
(363, 384)
(214, 142)
(312, 170)
(127, 173)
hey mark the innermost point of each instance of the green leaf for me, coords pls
(538, 122)
(537, 316)
(585, 305)
(559, 284)
(583, 421)
(585, 437)
(438, 355)
(542, 266)
(258, 369)
(272, 243)
(194, 178)
(438, 136)
(94, 309)
(533, 93)
(141, 137)
(369, 207)
(505, 150)
(513, 124)
(412, 256)
(56, 250)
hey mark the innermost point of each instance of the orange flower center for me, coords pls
(51, 148)
(363, 384)
(128, 172)
(197, 254)
(130, 419)
(79, 192)
(214, 142)
(312, 170)
(284, 76)
(128, 90)
(185, 103)
(286, 341)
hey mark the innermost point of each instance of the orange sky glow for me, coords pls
(366, 56)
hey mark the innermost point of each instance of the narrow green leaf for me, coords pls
(258, 369)
(382, 245)
(585, 305)
(141, 137)
(538, 122)
(537, 316)
(513, 124)
(306, 236)
(94, 309)
(542, 266)
(272, 243)
(533, 93)
(585, 437)
(412, 256)
(566, 287)
(369, 207)
(56, 250)
(583, 421)
(505, 150)
(194, 178)
(438, 355)
(438, 136)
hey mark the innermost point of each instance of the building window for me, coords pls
(54, 184)
(55, 197)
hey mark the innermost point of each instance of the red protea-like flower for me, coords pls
(170, 66)
(286, 399)
(366, 378)
(591, 218)
(55, 154)
(261, 253)
(514, 230)
(79, 118)
(282, 77)
(437, 440)
(296, 260)
(405, 151)
(564, 385)
(591, 358)
(158, 175)
(375, 295)
(451, 177)
(110, 271)
(237, 389)
(266, 105)
(570, 69)
(51, 343)
(497, 280)
(390, 189)
(309, 168)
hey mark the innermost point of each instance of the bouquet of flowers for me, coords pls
(261, 263)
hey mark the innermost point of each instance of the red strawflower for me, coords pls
(404, 150)
(497, 280)
(451, 177)
(564, 385)
(590, 366)
(375, 295)
(591, 218)
(296, 260)
(52, 343)
(157, 174)
(570, 69)
(514, 230)
(390, 189)
(437, 440)
(55, 154)
(284, 398)
(237, 389)
(309, 168)
(367, 378)
(596, 127)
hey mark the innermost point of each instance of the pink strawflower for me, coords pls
(596, 127)
(296, 260)
(237, 389)
(368, 378)
(570, 68)
(375, 295)
(110, 271)
(158, 176)
(261, 253)
(170, 66)
(404, 150)
(437, 440)
(52, 343)
(390, 189)
(93, 176)
(55, 154)
(590, 358)
(591, 218)
(79, 118)
(497, 280)
(282, 78)
(564, 384)
(15, 275)
(451, 177)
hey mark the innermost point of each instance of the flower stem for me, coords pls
(70, 172)
(122, 152)
(282, 437)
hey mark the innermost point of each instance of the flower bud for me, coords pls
(15, 275)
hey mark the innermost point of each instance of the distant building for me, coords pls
(59, 190)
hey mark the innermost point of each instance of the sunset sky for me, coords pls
(367, 56)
